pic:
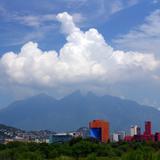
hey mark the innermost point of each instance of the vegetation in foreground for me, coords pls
(79, 149)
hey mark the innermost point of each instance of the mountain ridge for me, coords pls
(76, 110)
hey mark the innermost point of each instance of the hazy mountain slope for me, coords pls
(75, 110)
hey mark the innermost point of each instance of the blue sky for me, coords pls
(15, 31)
(119, 21)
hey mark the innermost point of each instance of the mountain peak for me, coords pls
(74, 95)
(91, 94)
(41, 96)
(76, 110)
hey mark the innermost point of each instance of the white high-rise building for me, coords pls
(115, 137)
(134, 130)
(118, 136)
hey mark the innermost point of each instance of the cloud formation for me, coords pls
(147, 35)
(85, 61)
(34, 21)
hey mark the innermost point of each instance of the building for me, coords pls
(157, 137)
(132, 131)
(146, 136)
(128, 138)
(60, 138)
(99, 129)
(2, 139)
(148, 128)
(122, 135)
(83, 132)
(115, 137)
(138, 131)
(42, 140)
(118, 136)
(135, 130)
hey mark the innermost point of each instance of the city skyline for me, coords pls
(98, 129)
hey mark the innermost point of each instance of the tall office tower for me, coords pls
(115, 137)
(138, 131)
(148, 128)
(134, 130)
(118, 136)
(99, 129)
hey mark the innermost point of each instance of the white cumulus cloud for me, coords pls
(85, 61)
(143, 38)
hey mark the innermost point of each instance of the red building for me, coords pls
(148, 128)
(128, 138)
(99, 129)
(146, 136)
(157, 137)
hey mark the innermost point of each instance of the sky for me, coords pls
(61, 46)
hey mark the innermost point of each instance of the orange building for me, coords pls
(99, 129)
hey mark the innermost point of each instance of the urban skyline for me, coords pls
(97, 129)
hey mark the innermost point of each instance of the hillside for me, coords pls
(76, 110)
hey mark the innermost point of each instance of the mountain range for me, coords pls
(76, 110)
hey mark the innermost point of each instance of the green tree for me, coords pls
(91, 157)
(29, 156)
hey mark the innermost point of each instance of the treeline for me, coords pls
(79, 149)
